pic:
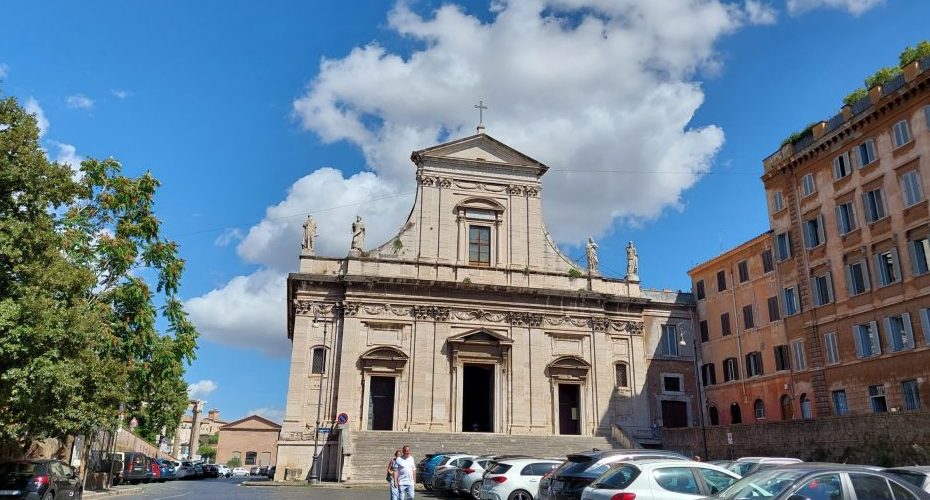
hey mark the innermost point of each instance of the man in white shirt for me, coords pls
(405, 475)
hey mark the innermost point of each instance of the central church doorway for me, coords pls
(381, 404)
(478, 398)
(569, 409)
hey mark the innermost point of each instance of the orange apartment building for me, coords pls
(745, 356)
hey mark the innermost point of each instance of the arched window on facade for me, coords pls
(787, 411)
(250, 457)
(805, 407)
(713, 415)
(318, 360)
(622, 375)
(759, 408)
(736, 416)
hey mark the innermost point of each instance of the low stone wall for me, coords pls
(129, 441)
(890, 439)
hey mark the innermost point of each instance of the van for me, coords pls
(136, 467)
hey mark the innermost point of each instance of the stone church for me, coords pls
(471, 320)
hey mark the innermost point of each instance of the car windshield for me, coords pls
(741, 468)
(915, 478)
(576, 466)
(617, 478)
(764, 484)
(499, 469)
(18, 468)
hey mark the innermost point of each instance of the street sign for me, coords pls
(342, 419)
(729, 438)
(323, 430)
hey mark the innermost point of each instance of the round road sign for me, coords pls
(342, 419)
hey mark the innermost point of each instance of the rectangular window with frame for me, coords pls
(822, 288)
(781, 358)
(866, 152)
(840, 406)
(725, 324)
(887, 267)
(902, 133)
(877, 398)
(669, 340)
(841, 166)
(831, 350)
(790, 301)
(743, 269)
(705, 331)
(800, 359)
(873, 202)
(866, 338)
(708, 374)
(479, 245)
(899, 335)
(730, 370)
(857, 278)
(318, 363)
(911, 393)
(813, 232)
(671, 383)
(783, 246)
(721, 281)
(778, 201)
(910, 186)
(748, 320)
(754, 364)
(808, 186)
(846, 218)
(768, 264)
(699, 289)
(919, 252)
(774, 311)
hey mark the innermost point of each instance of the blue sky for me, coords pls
(232, 108)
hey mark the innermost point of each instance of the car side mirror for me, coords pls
(798, 497)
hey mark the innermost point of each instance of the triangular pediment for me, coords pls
(480, 337)
(252, 422)
(480, 148)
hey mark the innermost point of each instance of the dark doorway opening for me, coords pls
(381, 404)
(569, 409)
(478, 398)
(736, 415)
(674, 414)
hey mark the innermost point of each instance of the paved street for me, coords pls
(230, 489)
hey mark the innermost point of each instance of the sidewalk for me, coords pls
(114, 491)
(353, 485)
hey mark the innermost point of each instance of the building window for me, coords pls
(699, 288)
(774, 312)
(911, 394)
(671, 383)
(721, 281)
(874, 204)
(708, 374)
(841, 166)
(813, 232)
(902, 133)
(318, 362)
(736, 416)
(250, 457)
(831, 349)
(808, 186)
(898, 332)
(783, 246)
(743, 268)
(748, 321)
(800, 360)
(805, 407)
(910, 186)
(669, 340)
(790, 301)
(768, 265)
(759, 409)
(705, 331)
(866, 153)
(781, 358)
(925, 324)
(846, 218)
(714, 415)
(725, 324)
(730, 370)
(822, 286)
(877, 398)
(778, 202)
(479, 245)
(840, 406)
(866, 338)
(857, 278)
(919, 251)
(886, 264)
(754, 364)
(622, 375)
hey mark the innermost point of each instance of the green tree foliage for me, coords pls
(234, 462)
(78, 316)
(206, 451)
(881, 76)
(854, 96)
(915, 53)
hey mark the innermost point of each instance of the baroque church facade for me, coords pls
(471, 320)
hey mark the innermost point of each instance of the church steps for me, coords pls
(374, 448)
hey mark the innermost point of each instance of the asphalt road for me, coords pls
(230, 489)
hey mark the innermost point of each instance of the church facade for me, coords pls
(471, 319)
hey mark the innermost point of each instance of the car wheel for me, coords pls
(520, 495)
(476, 490)
(48, 496)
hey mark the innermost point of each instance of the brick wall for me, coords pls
(901, 438)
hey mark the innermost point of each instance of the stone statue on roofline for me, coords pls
(632, 263)
(306, 247)
(591, 252)
(358, 236)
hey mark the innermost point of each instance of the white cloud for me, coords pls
(32, 107)
(119, 93)
(201, 389)
(854, 7)
(228, 236)
(79, 101)
(760, 13)
(67, 154)
(273, 413)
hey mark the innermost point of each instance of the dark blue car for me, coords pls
(39, 479)
(428, 465)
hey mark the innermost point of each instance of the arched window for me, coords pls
(622, 375)
(714, 416)
(318, 361)
(805, 407)
(759, 408)
(787, 411)
(250, 457)
(736, 416)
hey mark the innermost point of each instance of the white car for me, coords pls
(239, 471)
(452, 462)
(747, 465)
(660, 480)
(224, 470)
(468, 478)
(515, 479)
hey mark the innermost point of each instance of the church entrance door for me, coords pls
(381, 404)
(569, 409)
(478, 398)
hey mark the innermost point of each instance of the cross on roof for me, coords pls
(480, 107)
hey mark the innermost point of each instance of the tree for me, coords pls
(234, 462)
(206, 451)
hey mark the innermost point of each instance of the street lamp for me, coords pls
(682, 328)
(315, 465)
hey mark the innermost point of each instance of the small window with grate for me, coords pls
(318, 363)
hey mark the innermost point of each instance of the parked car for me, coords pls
(224, 470)
(198, 470)
(660, 480)
(918, 475)
(185, 470)
(271, 471)
(426, 467)
(210, 470)
(33, 479)
(253, 471)
(263, 470)
(117, 460)
(581, 469)
(154, 475)
(136, 467)
(816, 481)
(167, 468)
(445, 470)
(515, 479)
(239, 471)
(747, 465)
(468, 477)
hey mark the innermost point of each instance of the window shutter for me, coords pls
(895, 259)
(880, 271)
(858, 341)
(830, 297)
(925, 324)
(808, 240)
(873, 337)
(816, 291)
(870, 146)
(912, 256)
(865, 206)
(839, 220)
(866, 275)
(821, 236)
(908, 331)
(889, 334)
(849, 281)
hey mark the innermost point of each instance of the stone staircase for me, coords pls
(373, 449)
